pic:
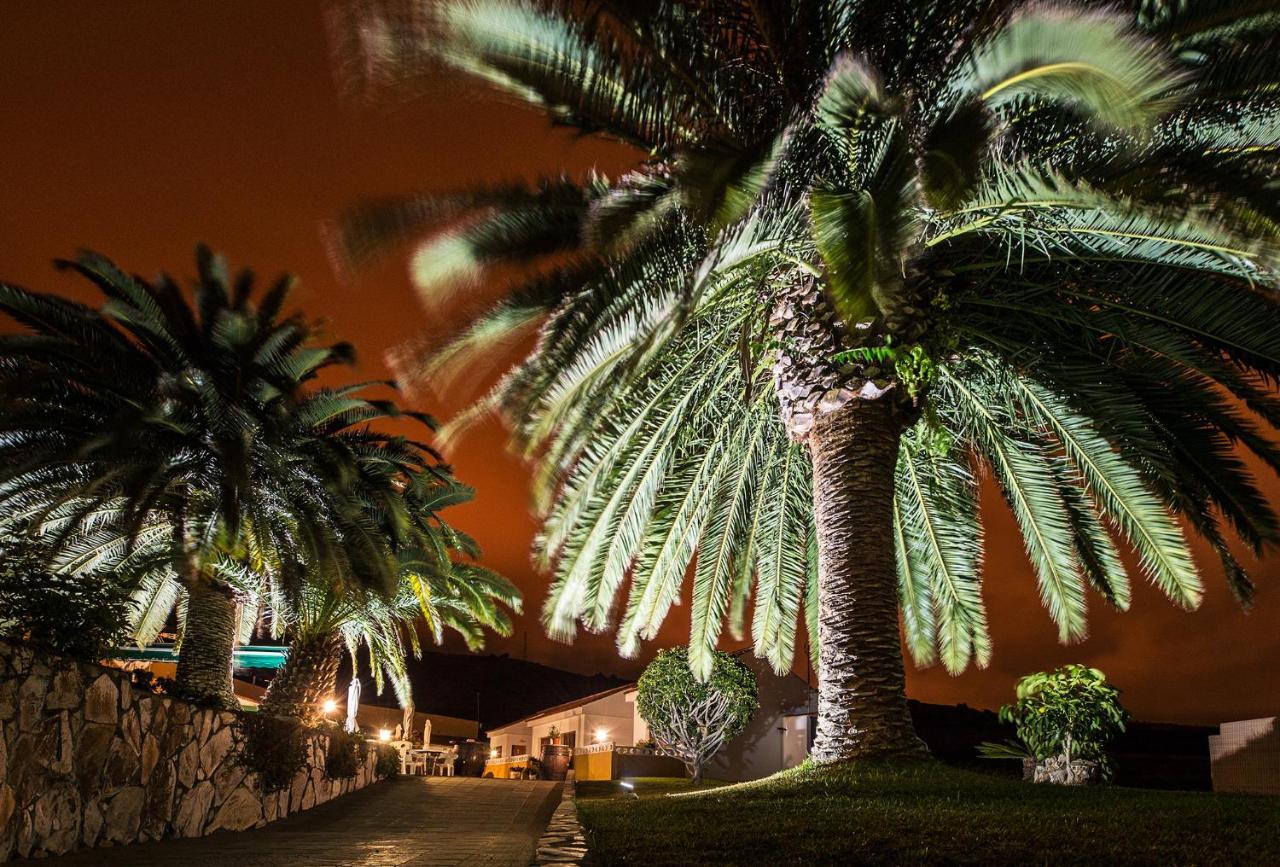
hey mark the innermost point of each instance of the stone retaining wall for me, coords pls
(86, 759)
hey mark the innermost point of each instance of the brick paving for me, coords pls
(408, 822)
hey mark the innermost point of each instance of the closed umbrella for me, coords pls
(353, 703)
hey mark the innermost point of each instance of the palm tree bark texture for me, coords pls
(862, 709)
(308, 677)
(208, 639)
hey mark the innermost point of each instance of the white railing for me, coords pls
(649, 751)
(606, 747)
(506, 760)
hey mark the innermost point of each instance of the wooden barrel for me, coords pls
(555, 761)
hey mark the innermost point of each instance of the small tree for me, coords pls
(696, 718)
(1071, 713)
(69, 614)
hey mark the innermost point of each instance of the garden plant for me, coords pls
(696, 716)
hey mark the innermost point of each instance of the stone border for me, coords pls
(87, 759)
(563, 841)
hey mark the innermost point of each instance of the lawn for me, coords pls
(921, 814)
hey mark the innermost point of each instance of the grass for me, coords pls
(926, 813)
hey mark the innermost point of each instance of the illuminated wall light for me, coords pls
(602, 735)
(384, 734)
(330, 705)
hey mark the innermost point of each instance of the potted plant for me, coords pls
(1065, 718)
(556, 757)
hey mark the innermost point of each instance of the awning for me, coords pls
(248, 656)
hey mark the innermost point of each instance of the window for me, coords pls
(518, 750)
(497, 752)
(569, 739)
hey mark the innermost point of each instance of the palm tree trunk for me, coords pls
(208, 638)
(308, 677)
(862, 704)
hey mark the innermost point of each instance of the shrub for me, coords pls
(695, 717)
(388, 764)
(275, 747)
(1071, 713)
(80, 617)
(342, 759)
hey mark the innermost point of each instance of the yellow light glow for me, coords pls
(602, 735)
(384, 734)
(493, 754)
(330, 705)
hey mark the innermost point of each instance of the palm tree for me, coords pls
(870, 251)
(170, 428)
(323, 612)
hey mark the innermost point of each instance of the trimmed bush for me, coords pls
(74, 616)
(275, 747)
(696, 718)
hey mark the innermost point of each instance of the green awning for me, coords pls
(248, 656)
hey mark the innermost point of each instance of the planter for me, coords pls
(556, 759)
(1054, 770)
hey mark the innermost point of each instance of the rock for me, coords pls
(215, 751)
(188, 763)
(53, 745)
(1054, 770)
(7, 804)
(123, 766)
(226, 778)
(193, 811)
(57, 819)
(8, 699)
(92, 824)
(146, 705)
(150, 756)
(66, 691)
(161, 785)
(309, 796)
(131, 729)
(123, 815)
(92, 749)
(31, 702)
(101, 700)
(299, 786)
(241, 810)
(126, 695)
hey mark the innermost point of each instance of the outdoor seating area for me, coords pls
(430, 761)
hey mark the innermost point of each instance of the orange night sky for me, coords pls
(140, 128)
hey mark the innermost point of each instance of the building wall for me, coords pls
(759, 751)
(88, 760)
(1245, 757)
(594, 765)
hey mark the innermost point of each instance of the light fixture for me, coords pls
(626, 785)
(601, 735)
(330, 705)
(493, 754)
(384, 734)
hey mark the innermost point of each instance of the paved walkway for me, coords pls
(409, 822)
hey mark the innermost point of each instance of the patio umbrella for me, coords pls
(353, 703)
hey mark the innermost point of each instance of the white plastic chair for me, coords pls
(410, 762)
(444, 762)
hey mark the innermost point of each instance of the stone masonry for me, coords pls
(87, 759)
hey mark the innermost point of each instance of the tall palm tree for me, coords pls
(172, 425)
(869, 251)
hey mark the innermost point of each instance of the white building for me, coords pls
(605, 728)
